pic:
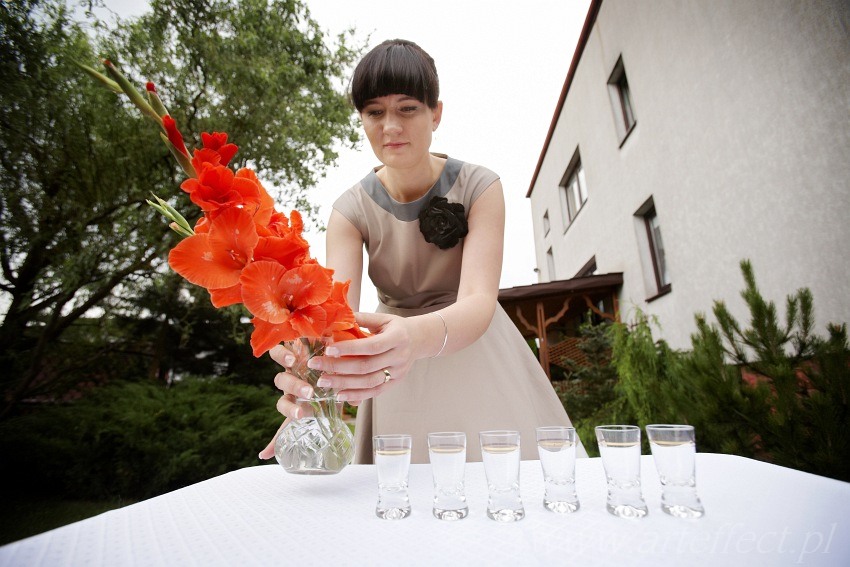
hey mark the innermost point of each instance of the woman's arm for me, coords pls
(356, 368)
(345, 254)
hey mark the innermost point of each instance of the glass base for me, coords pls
(686, 512)
(561, 507)
(392, 513)
(451, 515)
(507, 515)
(627, 511)
(310, 471)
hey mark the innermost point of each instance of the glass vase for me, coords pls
(318, 442)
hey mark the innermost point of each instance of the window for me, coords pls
(573, 190)
(550, 264)
(656, 260)
(546, 223)
(621, 101)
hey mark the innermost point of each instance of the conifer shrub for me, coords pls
(771, 389)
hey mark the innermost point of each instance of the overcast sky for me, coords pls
(502, 64)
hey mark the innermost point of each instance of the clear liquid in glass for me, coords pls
(501, 465)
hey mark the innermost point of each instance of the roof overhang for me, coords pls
(582, 42)
(583, 285)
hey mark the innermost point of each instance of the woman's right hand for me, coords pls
(292, 388)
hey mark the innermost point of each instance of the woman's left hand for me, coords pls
(363, 368)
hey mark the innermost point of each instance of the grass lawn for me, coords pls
(24, 516)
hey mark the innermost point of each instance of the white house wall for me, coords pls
(742, 140)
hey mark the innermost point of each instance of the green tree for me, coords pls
(76, 237)
(791, 408)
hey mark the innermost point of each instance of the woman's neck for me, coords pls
(408, 184)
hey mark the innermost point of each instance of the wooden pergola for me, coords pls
(537, 309)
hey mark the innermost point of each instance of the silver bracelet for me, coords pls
(445, 336)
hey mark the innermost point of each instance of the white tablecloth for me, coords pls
(756, 514)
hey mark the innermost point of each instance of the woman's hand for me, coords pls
(359, 369)
(356, 368)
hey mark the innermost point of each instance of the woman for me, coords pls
(443, 356)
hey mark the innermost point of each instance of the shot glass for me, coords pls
(619, 446)
(674, 449)
(392, 457)
(556, 446)
(447, 452)
(500, 452)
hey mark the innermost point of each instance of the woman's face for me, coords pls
(399, 128)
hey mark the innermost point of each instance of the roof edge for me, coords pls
(592, 11)
(582, 284)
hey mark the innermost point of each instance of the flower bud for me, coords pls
(134, 95)
(182, 158)
(154, 99)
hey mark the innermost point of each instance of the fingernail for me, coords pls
(323, 382)
(288, 360)
(260, 456)
(332, 351)
(307, 391)
(342, 397)
(314, 363)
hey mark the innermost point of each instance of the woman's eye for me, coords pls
(409, 108)
(373, 113)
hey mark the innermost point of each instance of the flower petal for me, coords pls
(267, 335)
(310, 321)
(262, 294)
(198, 261)
(265, 208)
(290, 251)
(226, 296)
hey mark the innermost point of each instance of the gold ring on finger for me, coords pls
(387, 376)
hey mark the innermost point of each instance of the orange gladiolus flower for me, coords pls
(274, 294)
(217, 188)
(217, 142)
(215, 259)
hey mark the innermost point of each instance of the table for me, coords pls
(756, 514)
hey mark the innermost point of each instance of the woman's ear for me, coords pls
(438, 115)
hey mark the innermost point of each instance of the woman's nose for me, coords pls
(392, 123)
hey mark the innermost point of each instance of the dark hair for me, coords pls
(396, 66)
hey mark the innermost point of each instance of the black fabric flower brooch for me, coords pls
(443, 223)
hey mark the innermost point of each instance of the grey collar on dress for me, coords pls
(410, 211)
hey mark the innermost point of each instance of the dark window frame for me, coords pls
(647, 213)
(588, 269)
(575, 170)
(622, 101)
(661, 285)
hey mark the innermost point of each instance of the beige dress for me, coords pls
(495, 383)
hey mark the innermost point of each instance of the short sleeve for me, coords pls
(350, 205)
(474, 181)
